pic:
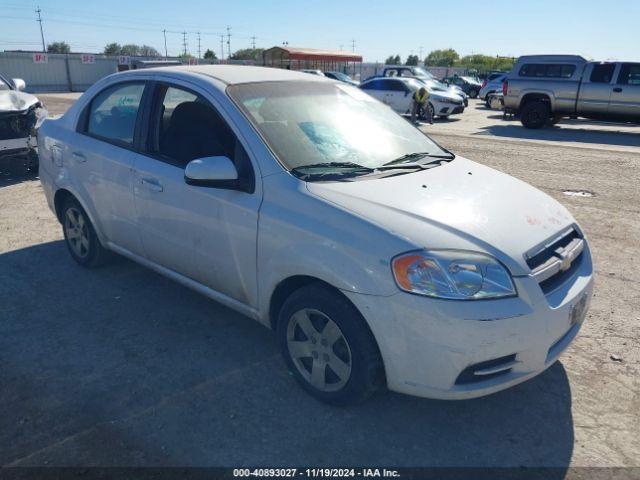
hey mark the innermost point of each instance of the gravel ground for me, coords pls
(119, 366)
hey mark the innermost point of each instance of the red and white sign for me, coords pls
(88, 58)
(40, 58)
(124, 60)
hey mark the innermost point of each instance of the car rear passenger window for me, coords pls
(547, 70)
(602, 73)
(113, 112)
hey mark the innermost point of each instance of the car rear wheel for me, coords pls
(80, 236)
(328, 347)
(534, 114)
(473, 93)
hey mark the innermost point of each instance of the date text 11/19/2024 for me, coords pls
(316, 472)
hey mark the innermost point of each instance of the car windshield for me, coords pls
(341, 76)
(312, 123)
(421, 72)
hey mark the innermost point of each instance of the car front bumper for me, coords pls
(464, 349)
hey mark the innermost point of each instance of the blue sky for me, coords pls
(602, 30)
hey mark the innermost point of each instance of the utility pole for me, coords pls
(421, 49)
(253, 42)
(341, 47)
(353, 45)
(166, 55)
(184, 43)
(199, 56)
(44, 48)
(221, 47)
(228, 41)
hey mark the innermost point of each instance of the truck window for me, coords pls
(629, 74)
(547, 70)
(602, 73)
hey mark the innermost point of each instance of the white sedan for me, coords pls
(397, 92)
(377, 256)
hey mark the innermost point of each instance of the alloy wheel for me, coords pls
(77, 232)
(319, 350)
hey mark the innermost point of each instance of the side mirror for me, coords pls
(217, 172)
(19, 83)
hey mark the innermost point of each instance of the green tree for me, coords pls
(248, 54)
(442, 58)
(147, 51)
(130, 49)
(485, 63)
(393, 60)
(412, 60)
(112, 49)
(58, 47)
(210, 54)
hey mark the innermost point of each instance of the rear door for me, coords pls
(398, 95)
(102, 157)
(375, 89)
(595, 91)
(625, 97)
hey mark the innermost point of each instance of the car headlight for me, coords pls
(452, 274)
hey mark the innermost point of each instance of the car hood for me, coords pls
(16, 101)
(460, 204)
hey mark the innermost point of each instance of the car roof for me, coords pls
(231, 74)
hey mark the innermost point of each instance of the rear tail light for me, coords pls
(484, 84)
(505, 87)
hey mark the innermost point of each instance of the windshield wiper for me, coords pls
(332, 165)
(406, 159)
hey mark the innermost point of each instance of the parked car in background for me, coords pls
(422, 74)
(313, 72)
(492, 84)
(397, 92)
(377, 256)
(542, 89)
(342, 77)
(471, 86)
(21, 114)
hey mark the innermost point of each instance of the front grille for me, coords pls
(17, 125)
(479, 372)
(556, 260)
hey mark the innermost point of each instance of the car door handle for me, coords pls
(617, 89)
(79, 157)
(151, 184)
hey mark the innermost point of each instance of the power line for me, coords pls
(44, 49)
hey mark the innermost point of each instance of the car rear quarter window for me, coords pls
(113, 112)
(547, 70)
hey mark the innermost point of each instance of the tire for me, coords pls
(337, 360)
(80, 236)
(473, 93)
(534, 114)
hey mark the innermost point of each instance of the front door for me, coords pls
(625, 98)
(206, 234)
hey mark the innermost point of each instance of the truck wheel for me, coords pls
(80, 236)
(473, 93)
(534, 114)
(328, 346)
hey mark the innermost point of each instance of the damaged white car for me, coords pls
(21, 114)
(377, 256)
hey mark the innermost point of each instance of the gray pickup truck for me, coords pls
(542, 89)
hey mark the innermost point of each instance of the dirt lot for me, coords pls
(120, 366)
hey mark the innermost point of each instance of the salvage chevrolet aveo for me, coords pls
(378, 257)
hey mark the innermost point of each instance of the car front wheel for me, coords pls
(328, 347)
(80, 236)
(534, 114)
